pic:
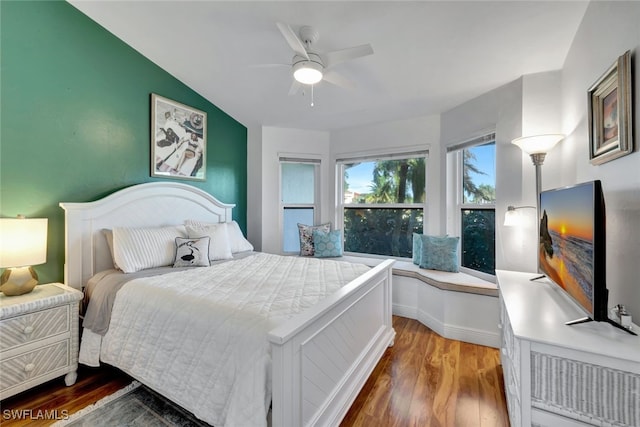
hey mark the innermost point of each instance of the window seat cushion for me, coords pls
(457, 282)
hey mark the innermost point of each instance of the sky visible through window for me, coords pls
(486, 162)
(360, 176)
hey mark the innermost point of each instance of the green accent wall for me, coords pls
(75, 120)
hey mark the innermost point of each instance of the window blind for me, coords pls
(297, 160)
(373, 157)
(479, 140)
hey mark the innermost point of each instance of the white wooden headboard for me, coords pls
(152, 204)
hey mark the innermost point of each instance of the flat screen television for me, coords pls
(571, 250)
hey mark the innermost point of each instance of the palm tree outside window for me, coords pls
(476, 198)
(383, 203)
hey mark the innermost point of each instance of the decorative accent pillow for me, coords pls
(136, 249)
(306, 237)
(327, 244)
(417, 248)
(440, 253)
(237, 241)
(192, 252)
(219, 247)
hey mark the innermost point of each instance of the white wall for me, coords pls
(411, 134)
(606, 32)
(254, 186)
(499, 110)
(264, 179)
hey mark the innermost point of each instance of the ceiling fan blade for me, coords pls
(338, 80)
(292, 38)
(338, 56)
(295, 87)
(269, 65)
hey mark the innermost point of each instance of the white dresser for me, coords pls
(38, 337)
(557, 375)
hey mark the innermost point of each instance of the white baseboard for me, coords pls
(466, 334)
(406, 311)
(474, 336)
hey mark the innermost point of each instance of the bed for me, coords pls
(318, 358)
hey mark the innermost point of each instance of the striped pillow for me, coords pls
(136, 249)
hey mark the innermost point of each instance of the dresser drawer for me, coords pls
(33, 364)
(24, 329)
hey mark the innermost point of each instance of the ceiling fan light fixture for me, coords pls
(307, 72)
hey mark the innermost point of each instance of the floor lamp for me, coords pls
(537, 146)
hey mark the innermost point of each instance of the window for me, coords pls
(298, 198)
(382, 203)
(475, 194)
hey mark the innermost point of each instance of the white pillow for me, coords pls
(108, 234)
(219, 247)
(237, 240)
(136, 249)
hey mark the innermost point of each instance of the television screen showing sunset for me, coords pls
(566, 241)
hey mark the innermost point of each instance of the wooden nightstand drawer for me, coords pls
(33, 326)
(31, 365)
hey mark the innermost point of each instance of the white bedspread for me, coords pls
(199, 337)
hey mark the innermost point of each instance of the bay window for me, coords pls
(382, 203)
(474, 188)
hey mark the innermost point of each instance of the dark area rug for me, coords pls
(136, 405)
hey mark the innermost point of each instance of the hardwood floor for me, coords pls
(423, 380)
(29, 407)
(426, 380)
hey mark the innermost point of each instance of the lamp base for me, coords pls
(18, 281)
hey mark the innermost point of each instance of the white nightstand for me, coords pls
(38, 337)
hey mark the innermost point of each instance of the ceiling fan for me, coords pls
(310, 67)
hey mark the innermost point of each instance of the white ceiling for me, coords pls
(429, 56)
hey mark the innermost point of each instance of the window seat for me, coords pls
(457, 282)
(454, 305)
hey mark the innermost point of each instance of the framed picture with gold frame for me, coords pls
(610, 113)
(178, 140)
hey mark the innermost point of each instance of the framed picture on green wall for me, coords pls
(178, 140)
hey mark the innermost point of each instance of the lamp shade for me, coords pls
(23, 242)
(538, 144)
(512, 217)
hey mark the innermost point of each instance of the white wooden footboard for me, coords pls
(323, 357)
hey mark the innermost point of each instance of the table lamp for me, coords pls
(23, 243)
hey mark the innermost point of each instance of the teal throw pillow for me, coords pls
(417, 248)
(306, 237)
(440, 253)
(327, 244)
